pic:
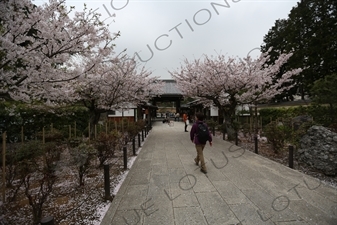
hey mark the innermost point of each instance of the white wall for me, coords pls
(128, 113)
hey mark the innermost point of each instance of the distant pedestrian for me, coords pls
(185, 119)
(177, 115)
(199, 135)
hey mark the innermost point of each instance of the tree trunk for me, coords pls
(302, 92)
(81, 175)
(231, 133)
(94, 118)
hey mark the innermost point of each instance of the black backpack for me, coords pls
(202, 133)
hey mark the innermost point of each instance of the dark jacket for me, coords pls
(194, 132)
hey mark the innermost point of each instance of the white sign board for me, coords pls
(214, 111)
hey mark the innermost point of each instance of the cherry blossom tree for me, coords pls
(39, 45)
(229, 82)
(114, 84)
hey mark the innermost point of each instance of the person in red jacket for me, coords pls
(185, 118)
(199, 145)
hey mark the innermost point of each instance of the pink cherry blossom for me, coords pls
(40, 43)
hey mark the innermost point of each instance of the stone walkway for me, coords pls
(164, 186)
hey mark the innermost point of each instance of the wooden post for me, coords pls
(236, 138)
(256, 122)
(291, 156)
(107, 181)
(250, 119)
(256, 131)
(22, 138)
(256, 145)
(69, 131)
(125, 158)
(89, 131)
(4, 167)
(43, 137)
(106, 128)
(51, 128)
(143, 134)
(75, 129)
(95, 131)
(134, 146)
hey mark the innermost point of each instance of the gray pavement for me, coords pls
(164, 186)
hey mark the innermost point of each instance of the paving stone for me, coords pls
(311, 214)
(160, 169)
(125, 217)
(216, 211)
(291, 223)
(189, 215)
(140, 176)
(248, 213)
(274, 189)
(230, 193)
(176, 175)
(182, 197)
(164, 186)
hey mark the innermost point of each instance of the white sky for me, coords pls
(234, 31)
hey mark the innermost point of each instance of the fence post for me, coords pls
(49, 220)
(291, 156)
(143, 134)
(256, 145)
(236, 138)
(75, 130)
(22, 138)
(89, 131)
(125, 157)
(107, 181)
(43, 136)
(139, 145)
(134, 145)
(4, 167)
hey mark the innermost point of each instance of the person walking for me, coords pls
(177, 116)
(185, 118)
(199, 135)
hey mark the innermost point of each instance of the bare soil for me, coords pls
(69, 203)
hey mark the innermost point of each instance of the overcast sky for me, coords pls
(174, 30)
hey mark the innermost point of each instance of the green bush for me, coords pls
(321, 114)
(14, 116)
(277, 133)
(106, 145)
(300, 132)
(81, 156)
(51, 136)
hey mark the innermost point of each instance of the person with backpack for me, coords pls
(199, 136)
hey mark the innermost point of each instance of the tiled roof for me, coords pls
(170, 88)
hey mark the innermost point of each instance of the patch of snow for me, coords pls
(102, 211)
